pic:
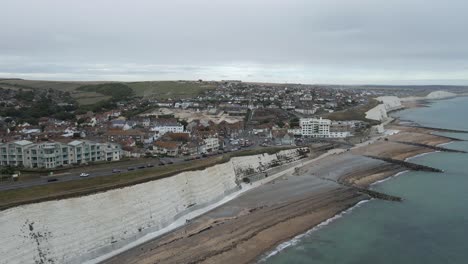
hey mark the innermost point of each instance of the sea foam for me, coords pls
(388, 178)
(421, 155)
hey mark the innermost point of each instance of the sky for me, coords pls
(293, 41)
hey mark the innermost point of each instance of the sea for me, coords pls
(429, 226)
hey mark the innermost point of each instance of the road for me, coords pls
(75, 174)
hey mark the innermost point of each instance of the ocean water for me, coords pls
(429, 226)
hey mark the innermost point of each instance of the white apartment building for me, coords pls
(54, 154)
(312, 127)
(162, 128)
(211, 144)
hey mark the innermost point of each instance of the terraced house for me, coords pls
(49, 155)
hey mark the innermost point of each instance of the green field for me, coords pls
(169, 89)
(150, 89)
(89, 98)
(58, 85)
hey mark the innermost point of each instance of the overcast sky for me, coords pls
(300, 41)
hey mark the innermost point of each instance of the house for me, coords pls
(162, 126)
(189, 149)
(179, 136)
(282, 137)
(118, 123)
(117, 134)
(169, 148)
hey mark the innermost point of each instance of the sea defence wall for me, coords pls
(79, 229)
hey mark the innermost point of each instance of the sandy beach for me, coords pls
(243, 229)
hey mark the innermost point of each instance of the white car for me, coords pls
(84, 174)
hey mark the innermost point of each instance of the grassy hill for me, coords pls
(355, 113)
(169, 89)
(88, 93)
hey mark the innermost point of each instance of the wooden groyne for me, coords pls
(379, 195)
(408, 165)
(430, 147)
(449, 138)
(370, 193)
(438, 129)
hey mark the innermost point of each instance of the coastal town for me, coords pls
(233, 132)
(232, 116)
(229, 116)
(221, 174)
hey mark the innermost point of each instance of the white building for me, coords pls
(162, 128)
(54, 154)
(340, 134)
(211, 144)
(312, 127)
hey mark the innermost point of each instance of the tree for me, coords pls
(294, 122)
(8, 170)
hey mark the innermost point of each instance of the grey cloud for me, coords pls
(298, 41)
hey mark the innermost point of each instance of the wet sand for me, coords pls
(243, 229)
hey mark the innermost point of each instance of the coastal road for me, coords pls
(74, 173)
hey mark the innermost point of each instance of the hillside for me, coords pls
(87, 93)
(169, 89)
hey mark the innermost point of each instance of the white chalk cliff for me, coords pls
(380, 112)
(440, 95)
(436, 95)
(77, 230)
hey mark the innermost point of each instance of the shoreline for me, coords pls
(286, 244)
(224, 224)
(179, 223)
(296, 239)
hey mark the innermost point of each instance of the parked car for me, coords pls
(116, 170)
(141, 167)
(130, 168)
(84, 174)
(52, 180)
(149, 165)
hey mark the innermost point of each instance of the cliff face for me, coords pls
(380, 112)
(390, 102)
(79, 229)
(440, 95)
